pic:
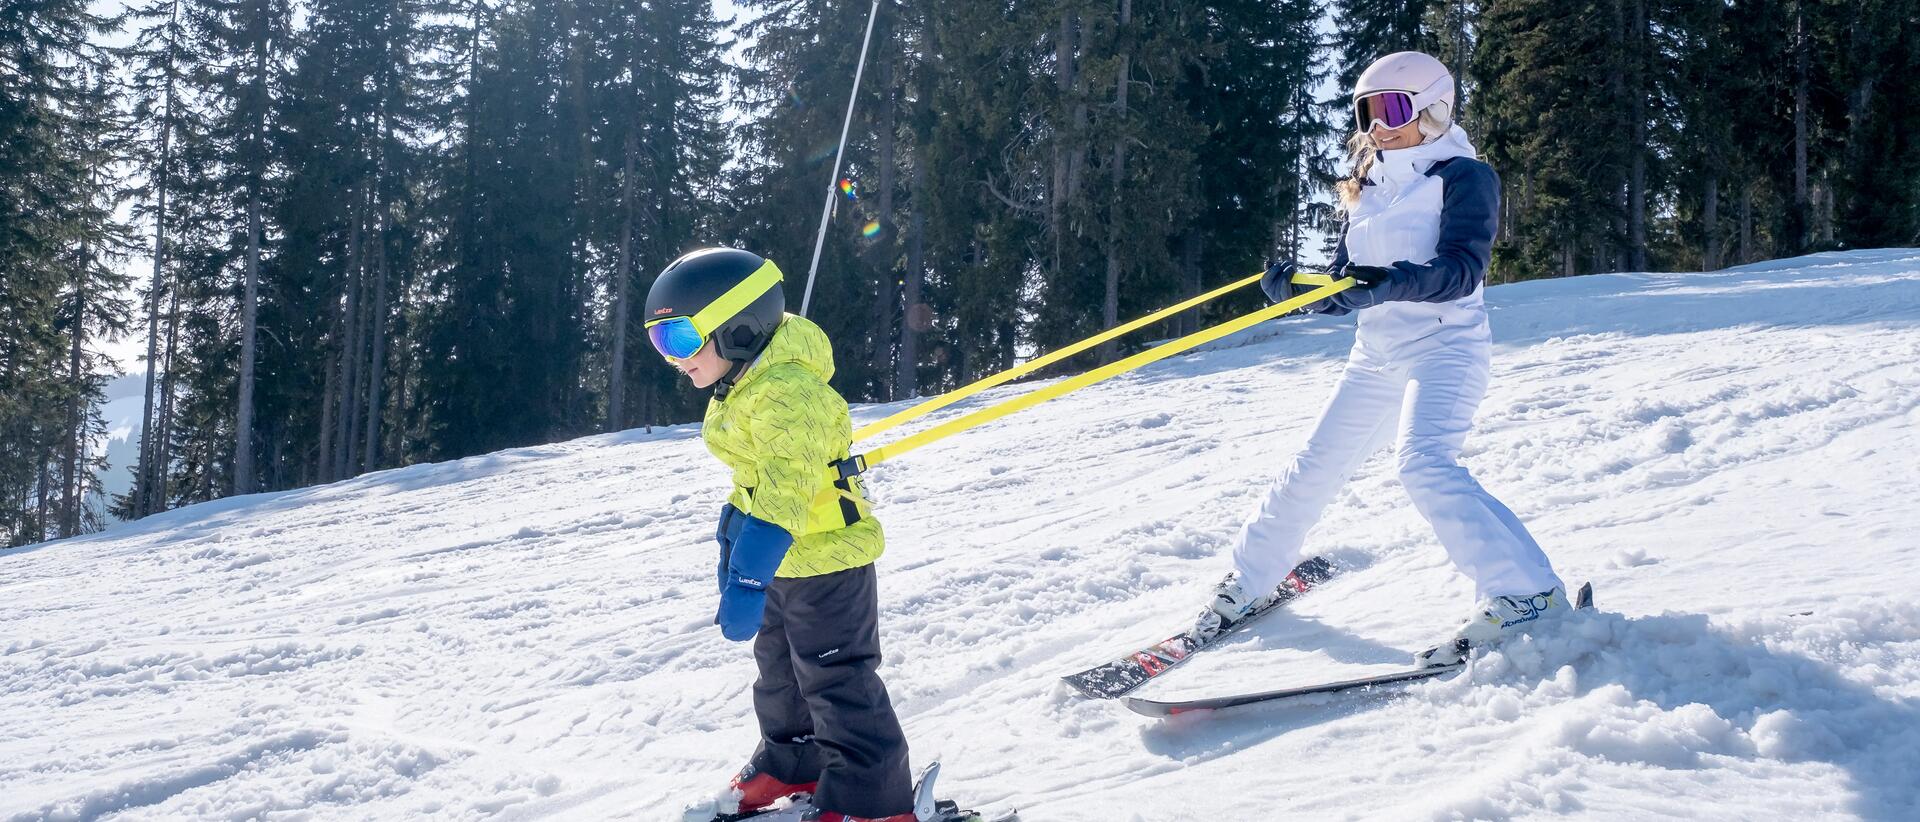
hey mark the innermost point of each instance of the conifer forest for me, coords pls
(350, 235)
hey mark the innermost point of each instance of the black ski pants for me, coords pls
(824, 714)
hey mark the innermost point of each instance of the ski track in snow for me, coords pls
(1728, 457)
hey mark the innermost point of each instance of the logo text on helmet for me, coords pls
(659, 311)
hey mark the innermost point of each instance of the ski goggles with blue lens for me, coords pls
(1392, 109)
(681, 337)
(676, 338)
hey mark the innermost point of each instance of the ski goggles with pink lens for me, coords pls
(1392, 109)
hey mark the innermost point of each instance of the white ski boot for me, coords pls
(1228, 606)
(1498, 618)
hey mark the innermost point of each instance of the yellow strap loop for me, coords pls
(936, 403)
(1108, 371)
(1314, 278)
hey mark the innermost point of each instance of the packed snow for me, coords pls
(1728, 457)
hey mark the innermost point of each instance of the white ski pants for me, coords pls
(1426, 397)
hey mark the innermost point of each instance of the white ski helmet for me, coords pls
(1424, 80)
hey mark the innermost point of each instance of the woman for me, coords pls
(1420, 219)
(796, 571)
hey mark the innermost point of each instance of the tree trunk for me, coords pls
(1710, 223)
(383, 228)
(572, 417)
(323, 470)
(622, 286)
(1110, 306)
(377, 362)
(243, 470)
(403, 373)
(41, 508)
(76, 432)
(1865, 50)
(151, 450)
(1192, 248)
(907, 381)
(1076, 150)
(165, 433)
(1637, 170)
(886, 290)
(1063, 52)
(350, 351)
(1746, 223)
(1797, 233)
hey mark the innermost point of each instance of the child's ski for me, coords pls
(945, 810)
(925, 807)
(1122, 675)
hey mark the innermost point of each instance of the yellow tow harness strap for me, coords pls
(936, 403)
(1326, 287)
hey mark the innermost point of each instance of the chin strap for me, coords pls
(725, 386)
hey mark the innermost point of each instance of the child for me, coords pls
(796, 551)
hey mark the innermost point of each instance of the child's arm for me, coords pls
(795, 434)
(795, 426)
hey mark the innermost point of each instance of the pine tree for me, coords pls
(157, 61)
(1367, 30)
(669, 142)
(56, 227)
(351, 102)
(1541, 101)
(798, 73)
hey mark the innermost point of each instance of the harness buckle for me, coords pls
(850, 467)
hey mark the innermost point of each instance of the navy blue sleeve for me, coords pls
(1469, 219)
(1340, 259)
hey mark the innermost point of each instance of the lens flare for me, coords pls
(846, 187)
(871, 229)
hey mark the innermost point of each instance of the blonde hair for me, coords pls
(1361, 152)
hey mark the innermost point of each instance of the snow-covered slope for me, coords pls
(1728, 457)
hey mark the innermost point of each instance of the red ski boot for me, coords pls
(755, 791)
(817, 815)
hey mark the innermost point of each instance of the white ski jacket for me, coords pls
(1432, 212)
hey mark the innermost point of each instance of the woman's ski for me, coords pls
(1162, 708)
(1117, 678)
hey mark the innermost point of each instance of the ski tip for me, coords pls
(1584, 599)
(1082, 687)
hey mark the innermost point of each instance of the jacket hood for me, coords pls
(796, 341)
(1402, 164)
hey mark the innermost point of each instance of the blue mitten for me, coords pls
(758, 548)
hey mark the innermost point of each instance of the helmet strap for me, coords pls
(725, 386)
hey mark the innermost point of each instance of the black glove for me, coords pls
(1278, 281)
(1279, 285)
(1369, 276)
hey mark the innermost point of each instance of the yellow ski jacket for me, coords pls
(778, 429)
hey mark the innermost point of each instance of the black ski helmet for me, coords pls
(716, 278)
